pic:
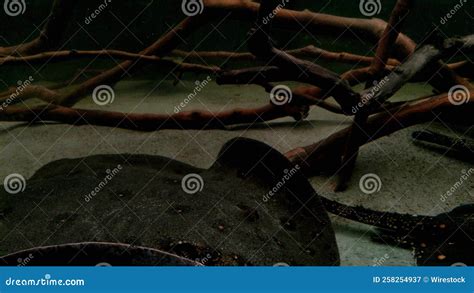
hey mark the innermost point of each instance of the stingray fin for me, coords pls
(254, 158)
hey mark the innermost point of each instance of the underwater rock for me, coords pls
(252, 207)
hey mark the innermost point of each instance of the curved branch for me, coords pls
(309, 52)
(325, 155)
(376, 69)
(66, 55)
(52, 33)
(152, 122)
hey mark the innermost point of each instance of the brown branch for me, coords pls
(309, 52)
(422, 60)
(52, 33)
(325, 155)
(66, 55)
(329, 25)
(370, 29)
(242, 10)
(464, 69)
(163, 46)
(261, 46)
(376, 69)
(152, 122)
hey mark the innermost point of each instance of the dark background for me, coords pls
(108, 30)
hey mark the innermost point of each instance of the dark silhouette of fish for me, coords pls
(252, 207)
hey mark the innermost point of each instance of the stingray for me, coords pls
(251, 207)
(445, 239)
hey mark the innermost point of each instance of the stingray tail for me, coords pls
(384, 220)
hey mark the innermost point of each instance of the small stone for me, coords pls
(441, 257)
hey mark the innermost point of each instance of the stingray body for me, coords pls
(446, 239)
(237, 212)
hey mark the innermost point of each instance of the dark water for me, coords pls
(154, 20)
